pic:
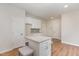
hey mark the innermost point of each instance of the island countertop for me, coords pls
(38, 39)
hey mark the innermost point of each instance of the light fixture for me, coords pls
(65, 6)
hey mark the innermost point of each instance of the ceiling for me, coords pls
(47, 10)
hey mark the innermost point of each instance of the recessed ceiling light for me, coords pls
(65, 6)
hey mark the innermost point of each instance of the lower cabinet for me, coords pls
(40, 48)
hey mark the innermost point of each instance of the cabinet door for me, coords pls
(45, 48)
(34, 45)
(28, 29)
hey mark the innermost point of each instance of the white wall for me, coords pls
(18, 25)
(12, 26)
(56, 23)
(5, 28)
(70, 28)
(52, 28)
(18, 32)
(17, 16)
(7, 13)
(44, 27)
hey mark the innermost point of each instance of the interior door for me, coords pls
(53, 28)
(56, 28)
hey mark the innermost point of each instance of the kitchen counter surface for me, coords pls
(38, 39)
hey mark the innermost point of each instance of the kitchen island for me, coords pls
(40, 44)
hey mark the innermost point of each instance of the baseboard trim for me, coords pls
(70, 43)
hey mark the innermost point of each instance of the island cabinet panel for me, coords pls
(40, 48)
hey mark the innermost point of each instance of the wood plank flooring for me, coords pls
(60, 49)
(13, 52)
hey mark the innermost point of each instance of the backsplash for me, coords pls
(35, 30)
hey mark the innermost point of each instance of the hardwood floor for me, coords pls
(14, 52)
(60, 49)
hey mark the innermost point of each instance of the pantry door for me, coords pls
(56, 28)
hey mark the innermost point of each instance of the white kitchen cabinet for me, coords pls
(36, 23)
(45, 48)
(41, 47)
(28, 29)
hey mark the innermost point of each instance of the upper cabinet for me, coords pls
(36, 23)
